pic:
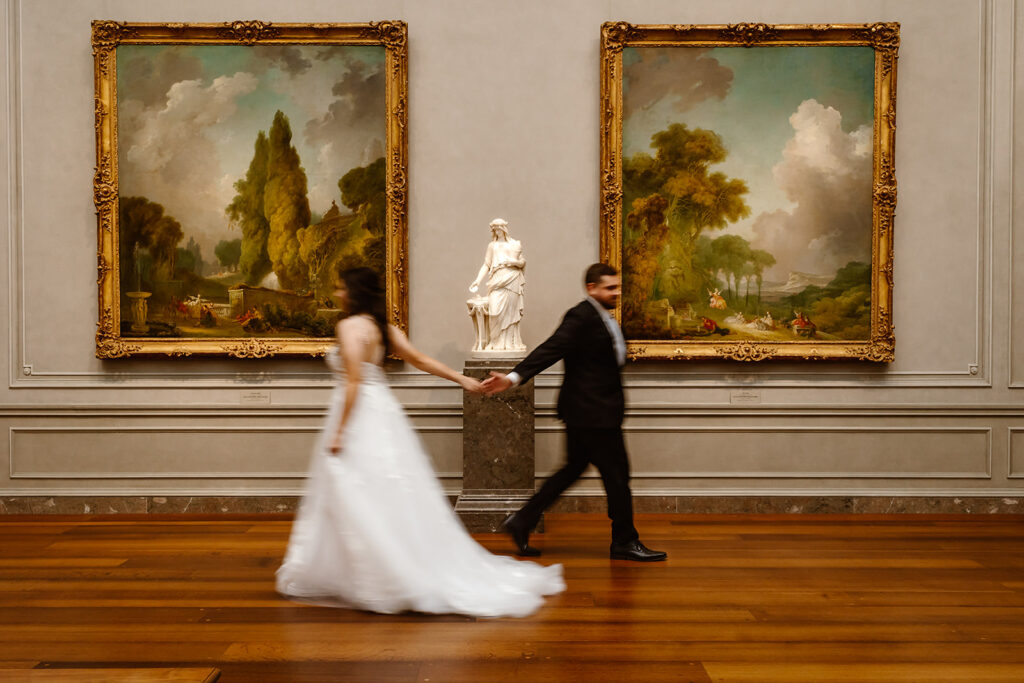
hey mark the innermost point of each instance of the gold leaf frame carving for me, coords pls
(106, 36)
(884, 38)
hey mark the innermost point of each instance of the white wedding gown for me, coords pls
(374, 530)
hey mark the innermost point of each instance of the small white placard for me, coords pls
(254, 397)
(745, 396)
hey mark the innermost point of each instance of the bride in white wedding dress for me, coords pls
(374, 530)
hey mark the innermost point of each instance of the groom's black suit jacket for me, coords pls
(591, 395)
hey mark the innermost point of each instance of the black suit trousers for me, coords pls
(606, 450)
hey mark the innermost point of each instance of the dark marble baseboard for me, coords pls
(113, 505)
(802, 504)
(106, 505)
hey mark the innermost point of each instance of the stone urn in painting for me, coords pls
(140, 309)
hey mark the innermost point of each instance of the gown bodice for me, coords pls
(372, 370)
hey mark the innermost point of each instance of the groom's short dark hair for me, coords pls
(597, 271)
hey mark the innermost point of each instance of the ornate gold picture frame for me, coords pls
(748, 188)
(239, 165)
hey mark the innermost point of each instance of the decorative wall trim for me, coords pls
(14, 473)
(452, 487)
(12, 90)
(1016, 381)
(544, 411)
(682, 474)
(1010, 472)
(34, 379)
(987, 161)
(210, 410)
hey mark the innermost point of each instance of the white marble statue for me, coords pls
(497, 314)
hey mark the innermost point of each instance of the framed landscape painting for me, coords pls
(748, 188)
(239, 167)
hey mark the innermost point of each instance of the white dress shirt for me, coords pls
(613, 329)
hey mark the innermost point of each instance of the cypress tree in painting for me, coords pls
(285, 206)
(246, 211)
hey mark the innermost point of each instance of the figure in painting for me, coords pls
(765, 322)
(802, 326)
(716, 299)
(503, 269)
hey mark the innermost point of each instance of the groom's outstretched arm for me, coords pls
(552, 350)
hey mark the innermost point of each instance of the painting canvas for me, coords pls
(247, 171)
(749, 189)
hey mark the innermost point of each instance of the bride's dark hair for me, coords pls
(365, 295)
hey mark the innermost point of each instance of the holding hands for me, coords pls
(495, 384)
(473, 386)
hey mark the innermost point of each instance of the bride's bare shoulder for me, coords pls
(355, 327)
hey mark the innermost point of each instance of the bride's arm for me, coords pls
(351, 343)
(407, 352)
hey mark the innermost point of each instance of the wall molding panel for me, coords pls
(1015, 252)
(1015, 451)
(199, 452)
(806, 452)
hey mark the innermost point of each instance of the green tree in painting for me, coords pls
(727, 258)
(731, 253)
(285, 205)
(184, 261)
(707, 261)
(647, 224)
(279, 231)
(364, 187)
(846, 316)
(363, 191)
(319, 245)
(842, 308)
(190, 258)
(352, 239)
(246, 211)
(228, 253)
(759, 261)
(142, 224)
(696, 199)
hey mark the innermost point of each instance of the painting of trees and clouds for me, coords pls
(246, 176)
(747, 192)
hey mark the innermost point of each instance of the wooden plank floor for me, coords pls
(741, 598)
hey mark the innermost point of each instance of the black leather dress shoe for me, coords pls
(520, 536)
(636, 551)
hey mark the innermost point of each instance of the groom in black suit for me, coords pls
(592, 405)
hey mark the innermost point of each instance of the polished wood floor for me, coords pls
(741, 598)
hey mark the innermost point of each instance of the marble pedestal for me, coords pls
(497, 450)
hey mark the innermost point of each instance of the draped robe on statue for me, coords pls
(505, 284)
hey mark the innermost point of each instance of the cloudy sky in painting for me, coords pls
(797, 124)
(188, 117)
